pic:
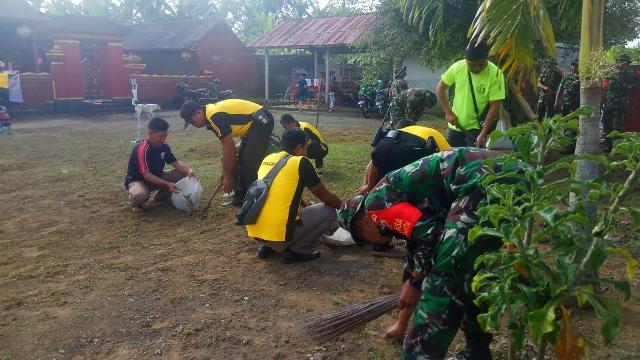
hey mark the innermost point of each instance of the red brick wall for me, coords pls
(221, 52)
(161, 89)
(37, 89)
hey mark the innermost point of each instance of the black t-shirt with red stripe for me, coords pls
(146, 158)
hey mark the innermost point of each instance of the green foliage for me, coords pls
(387, 43)
(544, 263)
(633, 52)
(621, 21)
(596, 68)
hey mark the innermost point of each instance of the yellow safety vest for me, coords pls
(4, 80)
(425, 133)
(277, 218)
(306, 126)
(237, 113)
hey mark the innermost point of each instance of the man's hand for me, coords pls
(227, 184)
(409, 296)
(395, 333)
(481, 141)
(452, 119)
(192, 174)
(173, 188)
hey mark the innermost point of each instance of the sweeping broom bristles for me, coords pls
(327, 325)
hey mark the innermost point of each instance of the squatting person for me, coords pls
(146, 168)
(318, 148)
(287, 224)
(231, 118)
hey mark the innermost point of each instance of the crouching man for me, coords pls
(282, 225)
(432, 204)
(318, 149)
(146, 168)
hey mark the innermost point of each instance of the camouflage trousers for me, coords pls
(446, 304)
(545, 107)
(612, 120)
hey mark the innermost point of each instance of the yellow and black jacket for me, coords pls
(280, 212)
(312, 132)
(232, 116)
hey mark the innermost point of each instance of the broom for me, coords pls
(206, 208)
(328, 325)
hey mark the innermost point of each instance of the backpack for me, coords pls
(257, 194)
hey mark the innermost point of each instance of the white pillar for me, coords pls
(266, 76)
(315, 63)
(326, 77)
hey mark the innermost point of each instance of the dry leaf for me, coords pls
(570, 345)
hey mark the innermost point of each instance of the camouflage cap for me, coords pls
(347, 215)
(623, 58)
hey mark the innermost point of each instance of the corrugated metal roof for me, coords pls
(315, 32)
(175, 35)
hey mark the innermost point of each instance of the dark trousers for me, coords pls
(252, 151)
(317, 152)
(462, 139)
(612, 120)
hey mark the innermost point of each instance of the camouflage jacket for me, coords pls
(571, 87)
(551, 79)
(618, 91)
(429, 201)
(398, 86)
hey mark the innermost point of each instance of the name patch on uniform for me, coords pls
(162, 155)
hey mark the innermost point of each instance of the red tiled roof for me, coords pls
(315, 32)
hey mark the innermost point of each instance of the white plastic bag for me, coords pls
(340, 237)
(502, 143)
(188, 199)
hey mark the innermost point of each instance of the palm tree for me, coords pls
(512, 27)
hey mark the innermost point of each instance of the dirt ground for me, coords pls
(82, 277)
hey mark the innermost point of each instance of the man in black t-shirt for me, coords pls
(146, 168)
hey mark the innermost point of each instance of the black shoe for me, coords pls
(264, 252)
(289, 256)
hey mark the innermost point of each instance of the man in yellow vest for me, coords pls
(231, 118)
(4, 85)
(283, 226)
(399, 148)
(318, 149)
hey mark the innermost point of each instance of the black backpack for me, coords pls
(257, 195)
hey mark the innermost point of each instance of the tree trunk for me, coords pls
(522, 102)
(589, 137)
(589, 144)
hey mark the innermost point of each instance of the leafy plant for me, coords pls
(544, 265)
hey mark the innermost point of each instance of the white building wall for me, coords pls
(419, 76)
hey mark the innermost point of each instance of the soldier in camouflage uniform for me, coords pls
(547, 86)
(410, 104)
(432, 204)
(398, 85)
(617, 98)
(568, 96)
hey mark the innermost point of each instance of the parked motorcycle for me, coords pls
(209, 95)
(377, 101)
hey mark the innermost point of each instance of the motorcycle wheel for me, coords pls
(366, 112)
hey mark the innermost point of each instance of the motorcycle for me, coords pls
(203, 96)
(377, 102)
